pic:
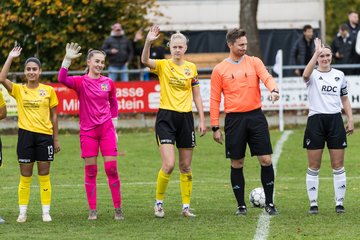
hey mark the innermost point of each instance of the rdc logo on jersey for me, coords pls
(325, 88)
(187, 71)
(42, 92)
(104, 86)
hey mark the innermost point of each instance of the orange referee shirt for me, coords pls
(239, 83)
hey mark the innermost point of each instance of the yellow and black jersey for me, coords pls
(176, 83)
(34, 107)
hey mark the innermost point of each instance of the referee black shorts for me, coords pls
(243, 128)
(175, 127)
(33, 147)
(321, 128)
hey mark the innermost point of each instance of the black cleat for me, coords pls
(241, 210)
(271, 210)
(339, 209)
(314, 210)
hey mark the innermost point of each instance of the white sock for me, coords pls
(23, 209)
(159, 201)
(339, 185)
(186, 206)
(46, 209)
(312, 186)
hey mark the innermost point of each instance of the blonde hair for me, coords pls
(90, 54)
(178, 35)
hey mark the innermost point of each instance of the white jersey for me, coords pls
(325, 90)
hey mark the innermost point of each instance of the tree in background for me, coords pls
(43, 27)
(336, 13)
(248, 22)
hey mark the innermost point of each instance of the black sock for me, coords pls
(238, 185)
(267, 180)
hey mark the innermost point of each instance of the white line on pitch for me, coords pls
(263, 224)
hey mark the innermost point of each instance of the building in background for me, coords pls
(205, 22)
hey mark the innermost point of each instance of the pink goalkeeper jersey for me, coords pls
(97, 98)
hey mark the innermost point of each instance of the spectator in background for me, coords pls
(157, 51)
(342, 46)
(120, 52)
(137, 46)
(357, 45)
(303, 49)
(353, 24)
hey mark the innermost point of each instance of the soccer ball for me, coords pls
(257, 197)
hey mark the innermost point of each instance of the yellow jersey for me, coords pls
(2, 100)
(34, 107)
(176, 83)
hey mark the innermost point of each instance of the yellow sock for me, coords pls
(186, 187)
(162, 182)
(24, 190)
(45, 189)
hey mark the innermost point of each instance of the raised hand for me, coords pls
(153, 34)
(318, 45)
(15, 52)
(72, 51)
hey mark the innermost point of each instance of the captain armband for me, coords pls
(344, 91)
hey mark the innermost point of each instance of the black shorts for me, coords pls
(33, 147)
(175, 127)
(321, 128)
(246, 128)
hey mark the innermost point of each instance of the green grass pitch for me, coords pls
(212, 200)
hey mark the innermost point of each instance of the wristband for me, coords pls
(66, 63)
(215, 128)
